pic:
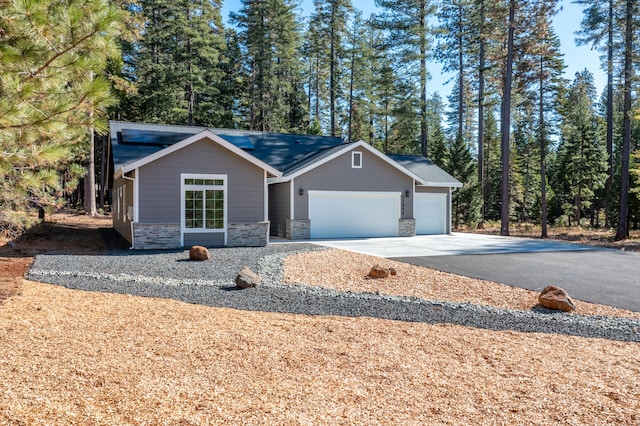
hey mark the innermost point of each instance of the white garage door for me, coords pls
(349, 214)
(430, 213)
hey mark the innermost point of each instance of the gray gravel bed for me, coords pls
(170, 275)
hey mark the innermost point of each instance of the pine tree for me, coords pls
(539, 80)
(437, 136)
(361, 56)
(466, 200)
(331, 18)
(407, 22)
(492, 168)
(505, 123)
(49, 99)
(581, 152)
(598, 29)
(631, 6)
(175, 65)
(270, 38)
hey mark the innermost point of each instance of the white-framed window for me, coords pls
(356, 159)
(203, 202)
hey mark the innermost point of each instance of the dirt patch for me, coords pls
(61, 233)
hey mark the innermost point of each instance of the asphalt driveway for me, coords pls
(588, 273)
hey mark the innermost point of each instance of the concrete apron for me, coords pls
(449, 245)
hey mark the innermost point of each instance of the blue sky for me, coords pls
(567, 21)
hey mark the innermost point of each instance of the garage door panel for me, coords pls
(430, 213)
(353, 214)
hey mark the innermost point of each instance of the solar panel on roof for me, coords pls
(151, 137)
(241, 142)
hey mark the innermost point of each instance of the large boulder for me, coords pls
(247, 278)
(199, 253)
(556, 298)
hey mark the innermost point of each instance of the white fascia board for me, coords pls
(347, 148)
(442, 184)
(195, 138)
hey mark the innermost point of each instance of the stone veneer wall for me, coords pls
(298, 229)
(407, 228)
(252, 234)
(156, 236)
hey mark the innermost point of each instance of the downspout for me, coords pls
(133, 240)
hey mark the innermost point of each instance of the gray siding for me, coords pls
(337, 175)
(279, 208)
(160, 183)
(123, 205)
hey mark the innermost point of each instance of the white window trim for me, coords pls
(354, 155)
(184, 187)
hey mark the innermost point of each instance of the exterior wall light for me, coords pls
(301, 191)
(407, 193)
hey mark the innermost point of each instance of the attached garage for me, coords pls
(430, 211)
(354, 214)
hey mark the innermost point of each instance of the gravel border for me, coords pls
(169, 274)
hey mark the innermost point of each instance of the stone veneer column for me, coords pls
(299, 229)
(252, 234)
(407, 228)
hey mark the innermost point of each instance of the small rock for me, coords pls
(12, 244)
(553, 297)
(199, 253)
(393, 271)
(378, 272)
(247, 278)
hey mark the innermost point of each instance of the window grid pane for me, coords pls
(204, 208)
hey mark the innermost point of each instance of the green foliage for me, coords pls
(581, 157)
(466, 201)
(51, 94)
(274, 99)
(175, 65)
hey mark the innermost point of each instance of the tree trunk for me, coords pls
(90, 179)
(481, 66)
(543, 152)
(423, 79)
(623, 229)
(609, 185)
(332, 71)
(505, 126)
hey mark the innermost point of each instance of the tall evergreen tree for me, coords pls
(505, 123)
(407, 22)
(581, 152)
(454, 51)
(631, 11)
(435, 112)
(175, 65)
(466, 200)
(539, 70)
(270, 38)
(598, 29)
(331, 18)
(49, 98)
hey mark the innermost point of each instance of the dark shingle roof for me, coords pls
(279, 150)
(429, 172)
(288, 153)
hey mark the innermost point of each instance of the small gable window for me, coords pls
(356, 160)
